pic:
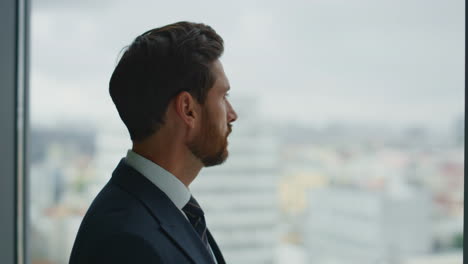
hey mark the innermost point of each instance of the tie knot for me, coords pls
(192, 208)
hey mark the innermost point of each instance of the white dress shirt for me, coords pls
(177, 192)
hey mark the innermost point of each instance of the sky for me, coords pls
(314, 62)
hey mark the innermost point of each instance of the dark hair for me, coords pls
(157, 66)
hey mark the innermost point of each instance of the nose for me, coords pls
(232, 115)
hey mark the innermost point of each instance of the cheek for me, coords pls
(219, 116)
(225, 111)
(221, 112)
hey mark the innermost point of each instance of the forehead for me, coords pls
(221, 81)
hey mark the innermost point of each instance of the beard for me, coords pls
(210, 145)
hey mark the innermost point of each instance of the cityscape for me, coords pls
(289, 192)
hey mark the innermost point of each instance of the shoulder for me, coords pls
(116, 226)
(115, 210)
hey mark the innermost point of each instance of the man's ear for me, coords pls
(187, 108)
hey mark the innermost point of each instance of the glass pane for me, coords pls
(349, 142)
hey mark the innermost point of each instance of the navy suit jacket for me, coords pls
(133, 221)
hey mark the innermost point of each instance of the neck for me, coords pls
(171, 156)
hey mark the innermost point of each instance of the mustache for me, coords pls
(229, 129)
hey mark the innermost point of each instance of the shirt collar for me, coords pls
(177, 192)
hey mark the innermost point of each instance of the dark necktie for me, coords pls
(196, 217)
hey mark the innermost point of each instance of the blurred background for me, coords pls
(349, 143)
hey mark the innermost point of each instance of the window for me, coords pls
(350, 139)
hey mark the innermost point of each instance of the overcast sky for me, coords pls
(316, 61)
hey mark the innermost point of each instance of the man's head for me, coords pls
(176, 66)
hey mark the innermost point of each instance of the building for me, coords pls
(352, 225)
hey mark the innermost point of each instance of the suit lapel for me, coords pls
(163, 210)
(215, 248)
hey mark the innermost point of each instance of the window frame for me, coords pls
(14, 17)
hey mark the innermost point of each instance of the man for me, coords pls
(170, 90)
